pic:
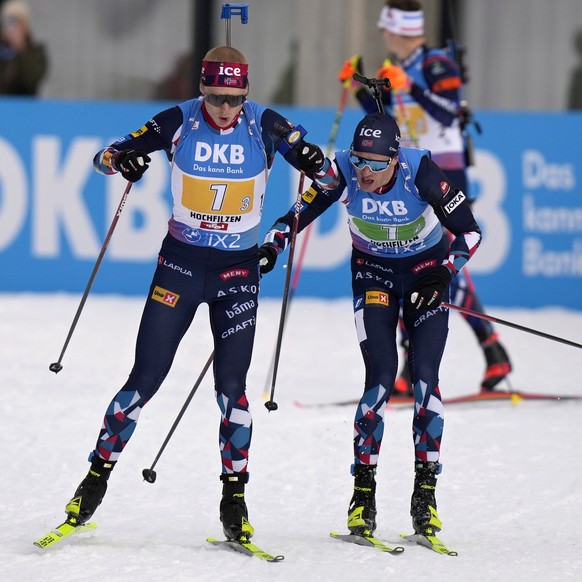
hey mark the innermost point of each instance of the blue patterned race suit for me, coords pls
(209, 255)
(398, 236)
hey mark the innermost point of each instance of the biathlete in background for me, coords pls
(425, 99)
(399, 203)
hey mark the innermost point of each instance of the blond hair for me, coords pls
(225, 53)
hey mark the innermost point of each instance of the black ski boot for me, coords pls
(423, 506)
(233, 509)
(498, 364)
(90, 492)
(362, 509)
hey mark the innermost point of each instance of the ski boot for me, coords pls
(498, 364)
(362, 509)
(423, 506)
(233, 509)
(90, 492)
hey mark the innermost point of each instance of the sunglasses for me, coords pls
(374, 165)
(218, 100)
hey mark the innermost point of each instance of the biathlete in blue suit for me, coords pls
(400, 205)
(221, 149)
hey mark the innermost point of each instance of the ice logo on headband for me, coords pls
(230, 71)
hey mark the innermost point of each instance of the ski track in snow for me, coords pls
(509, 496)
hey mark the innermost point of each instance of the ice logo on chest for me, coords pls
(219, 153)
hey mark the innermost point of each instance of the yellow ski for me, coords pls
(65, 530)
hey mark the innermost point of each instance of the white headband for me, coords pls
(402, 22)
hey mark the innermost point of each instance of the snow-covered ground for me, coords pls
(510, 495)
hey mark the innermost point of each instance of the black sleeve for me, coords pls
(450, 204)
(156, 134)
(314, 202)
(274, 127)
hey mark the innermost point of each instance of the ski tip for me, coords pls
(431, 542)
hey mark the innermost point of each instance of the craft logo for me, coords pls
(376, 298)
(164, 296)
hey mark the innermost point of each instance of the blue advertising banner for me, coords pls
(55, 211)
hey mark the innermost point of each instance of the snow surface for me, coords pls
(509, 496)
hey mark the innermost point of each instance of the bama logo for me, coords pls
(450, 206)
(219, 154)
(164, 296)
(376, 298)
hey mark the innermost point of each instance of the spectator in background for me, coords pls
(23, 62)
(178, 85)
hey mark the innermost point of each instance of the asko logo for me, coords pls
(164, 296)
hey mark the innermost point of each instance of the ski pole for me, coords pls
(150, 475)
(510, 324)
(56, 367)
(271, 404)
(330, 147)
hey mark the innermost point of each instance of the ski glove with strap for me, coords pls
(131, 163)
(267, 258)
(275, 242)
(310, 157)
(428, 292)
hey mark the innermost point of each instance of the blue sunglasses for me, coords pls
(374, 165)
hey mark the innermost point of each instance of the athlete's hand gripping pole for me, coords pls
(271, 404)
(56, 367)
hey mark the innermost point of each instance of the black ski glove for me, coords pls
(267, 258)
(428, 293)
(310, 157)
(131, 163)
